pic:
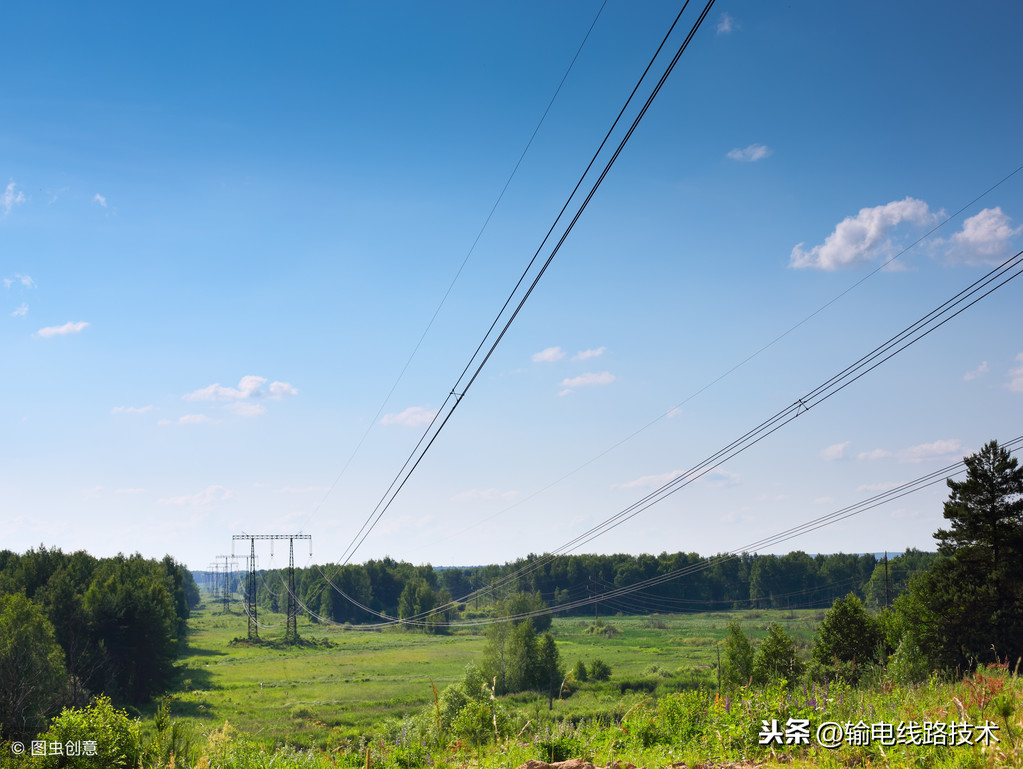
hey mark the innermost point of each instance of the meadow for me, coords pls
(356, 699)
(351, 681)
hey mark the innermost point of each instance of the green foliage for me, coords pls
(132, 611)
(600, 670)
(776, 657)
(579, 672)
(116, 737)
(31, 666)
(848, 640)
(522, 604)
(737, 664)
(969, 606)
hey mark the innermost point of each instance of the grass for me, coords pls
(308, 695)
(353, 699)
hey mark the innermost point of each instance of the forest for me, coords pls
(73, 626)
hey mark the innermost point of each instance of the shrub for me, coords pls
(115, 736)
(579, 672)
(600, 670)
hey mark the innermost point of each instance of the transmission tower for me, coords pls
(225, 586)
(291, 633)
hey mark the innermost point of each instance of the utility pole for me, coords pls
(291, 632)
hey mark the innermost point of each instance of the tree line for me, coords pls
(73, 626)
(359, 593)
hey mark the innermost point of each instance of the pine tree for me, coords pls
(969, 607)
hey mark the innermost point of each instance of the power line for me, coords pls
(897, 492)
(745, 360)
(465, 261)
(472, 370)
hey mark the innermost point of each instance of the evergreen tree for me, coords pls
(737, 666)
(969, 607)
(848, 638)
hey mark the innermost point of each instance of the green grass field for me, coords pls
(302, 695)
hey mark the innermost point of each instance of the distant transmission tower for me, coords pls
(291, 633)
(225, 584)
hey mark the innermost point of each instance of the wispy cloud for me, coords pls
(726, 24)
(207, 496)
(982, 369)
(984, 239)
(67, 328)
(587, 354)
(750, 154)
(23, 280)
(586, 380)
(97, 198)
(548, 355)
(21, 311)
(413, 416)
(874, 454)
(129, 491)
(835, 452)
(1016, 376)
(131, 409)
(862, 238)
(248, 387)
(246, 408)
(11, 198)
(927, 451)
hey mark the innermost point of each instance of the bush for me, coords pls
(111, 732)
(579, 672)
(600, 670)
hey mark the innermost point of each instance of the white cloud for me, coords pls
(248, 387)
(205, 497)
(875, 454)
(726, 24)
(246, 408)
(97, 198)
(24, 280)
(131, 409)
(675, 412)
(862, 238)
(1016, 376)
(587, 354)
(586, 380)
(984, 239)
(280, 389)
(548, 355)
(67, 328)
(982, 369)
(750, 154)
(21, 311)
(94, 493)
(10, 198)
(927, 451)
(413, 416)
(648, 481)
(835, 452)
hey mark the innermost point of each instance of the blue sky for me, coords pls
(223, 233)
